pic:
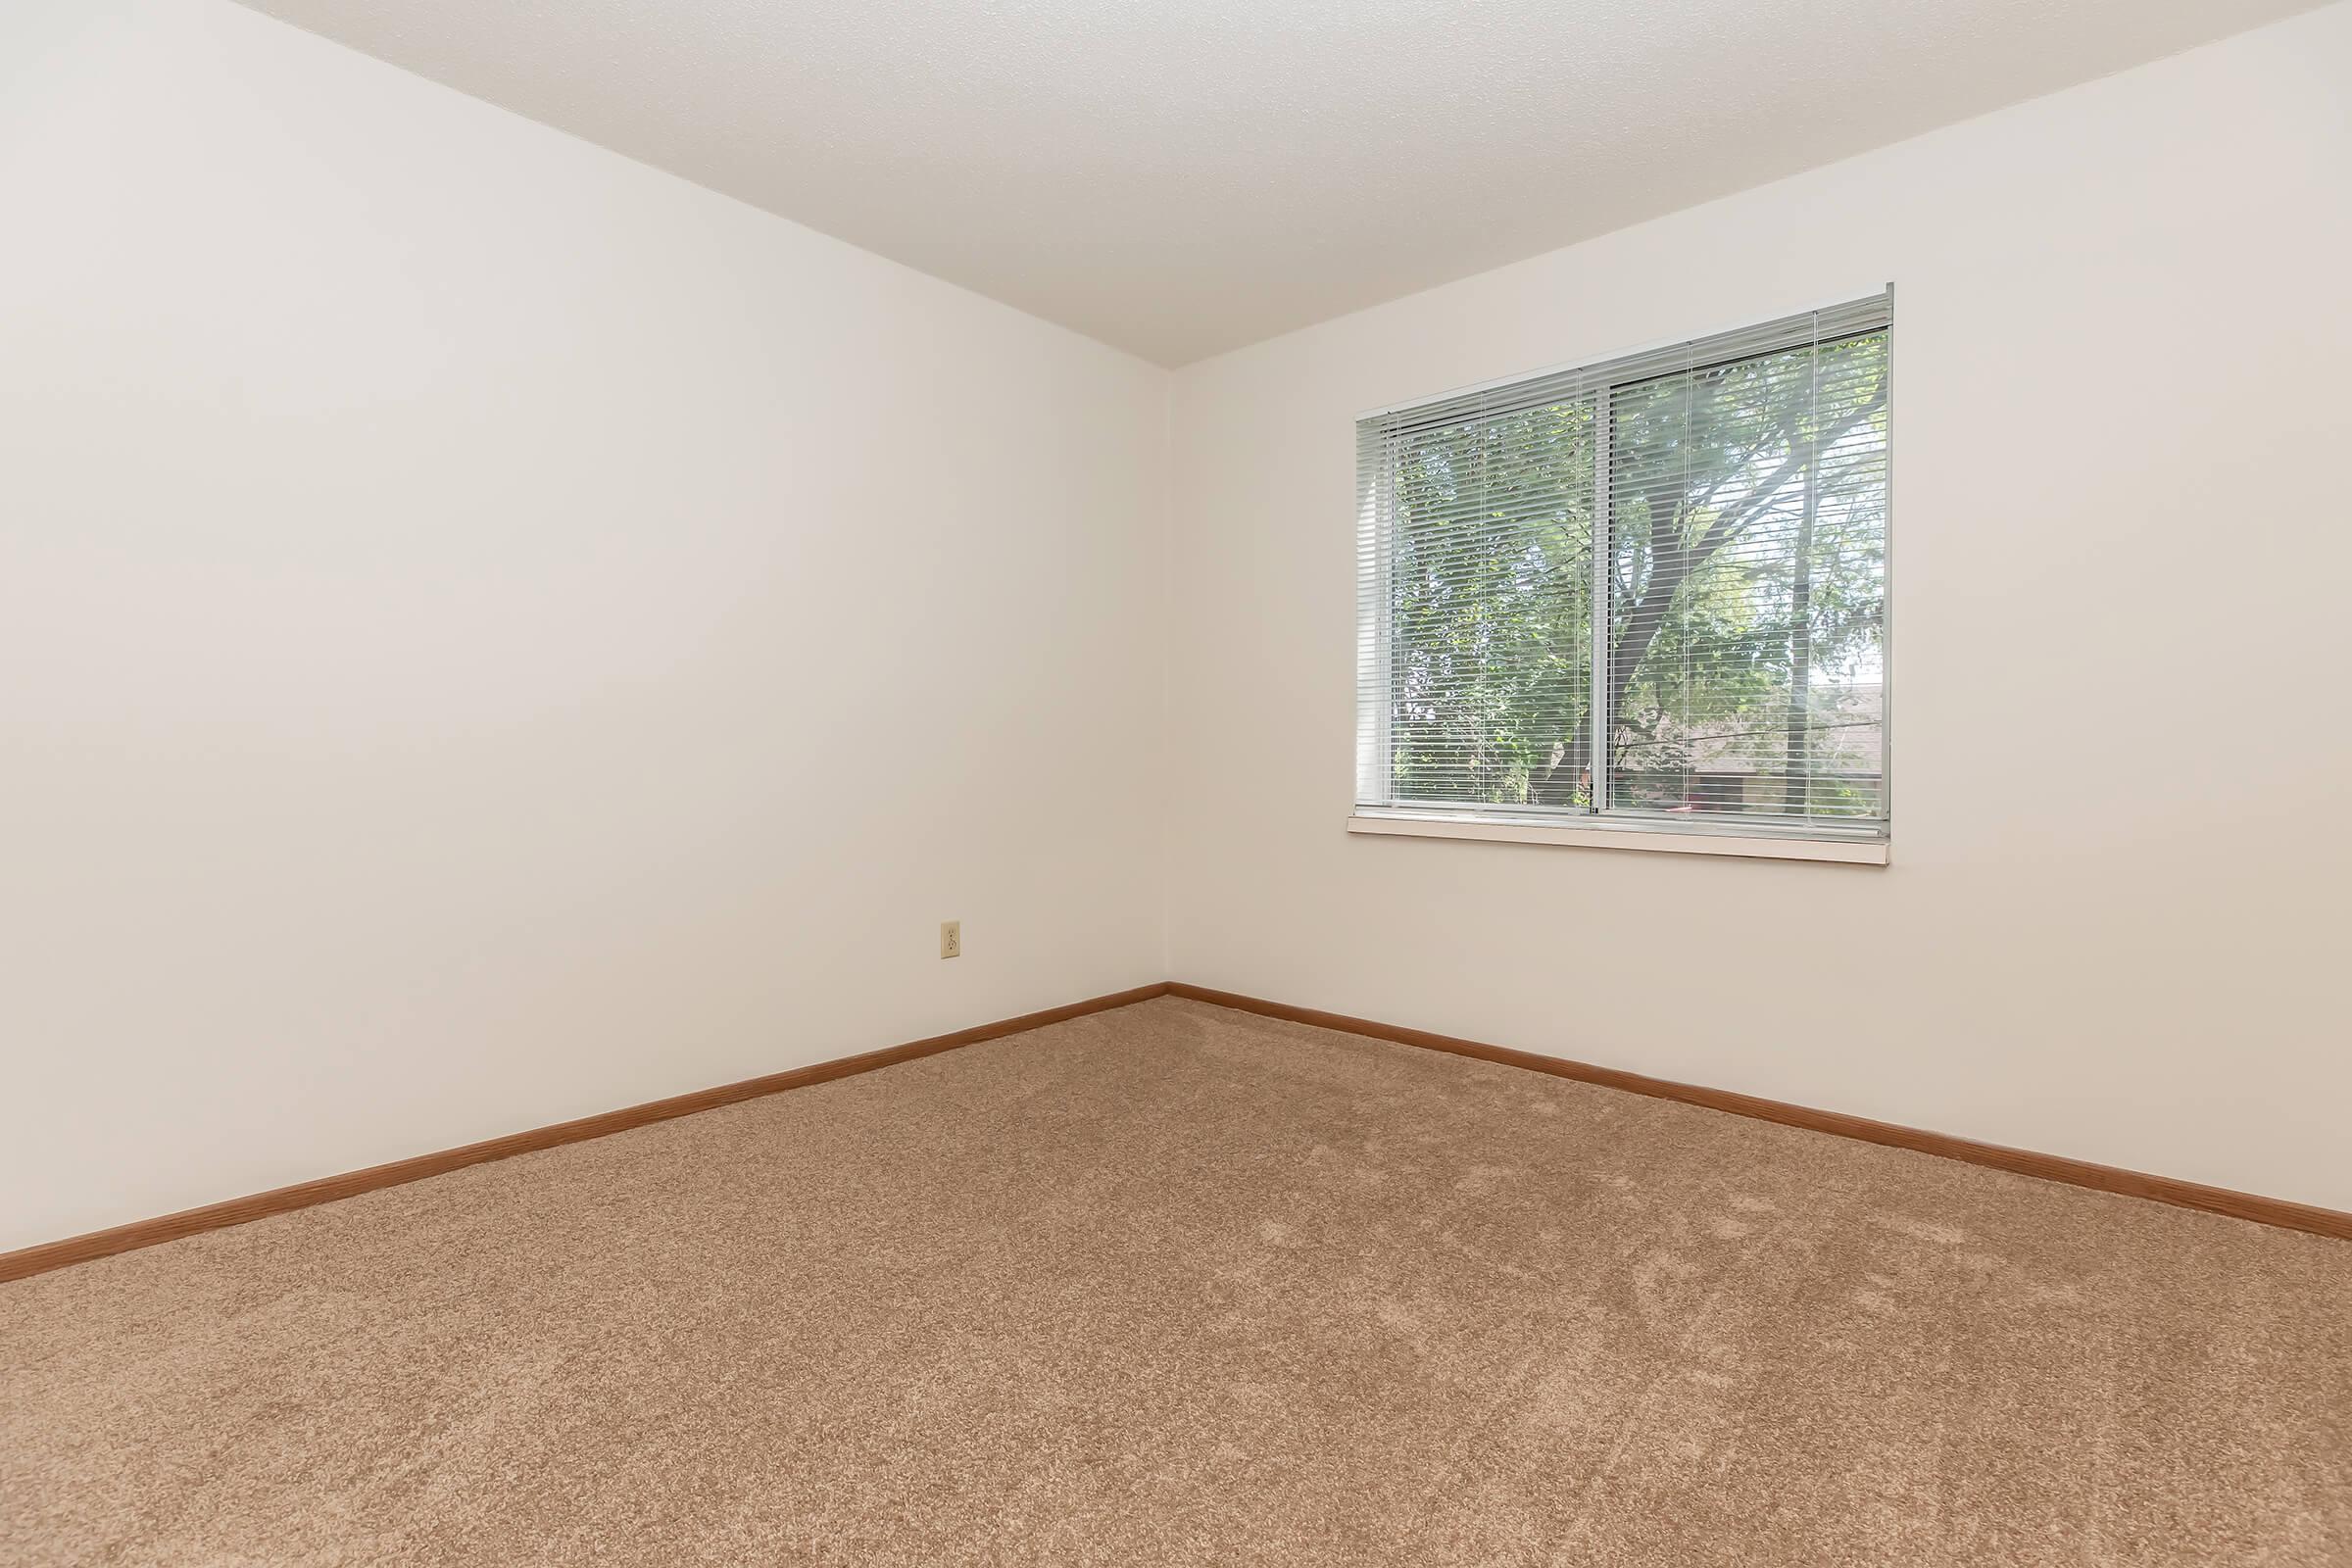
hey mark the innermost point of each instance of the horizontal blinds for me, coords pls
(1736, 487)
(1477, 567)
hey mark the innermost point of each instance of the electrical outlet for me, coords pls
(951, 939)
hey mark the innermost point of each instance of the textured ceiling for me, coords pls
(1182, 177)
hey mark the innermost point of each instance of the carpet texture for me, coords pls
(1180, 1285)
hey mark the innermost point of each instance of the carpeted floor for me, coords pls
(1179, 1285)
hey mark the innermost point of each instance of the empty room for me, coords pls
(1175, 784)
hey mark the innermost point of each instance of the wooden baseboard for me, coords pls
(2024, 1162)
(327, 1189)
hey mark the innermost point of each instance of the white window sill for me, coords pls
(1616, 836)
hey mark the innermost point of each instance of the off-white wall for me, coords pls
(2114, 928)
(490, 632)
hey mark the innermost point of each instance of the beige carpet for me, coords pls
(1179, 1285)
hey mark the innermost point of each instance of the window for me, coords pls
(1648, 595)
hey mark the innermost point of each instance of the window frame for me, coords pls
(1378, 811)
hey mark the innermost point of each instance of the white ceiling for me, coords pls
(1182, 177)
